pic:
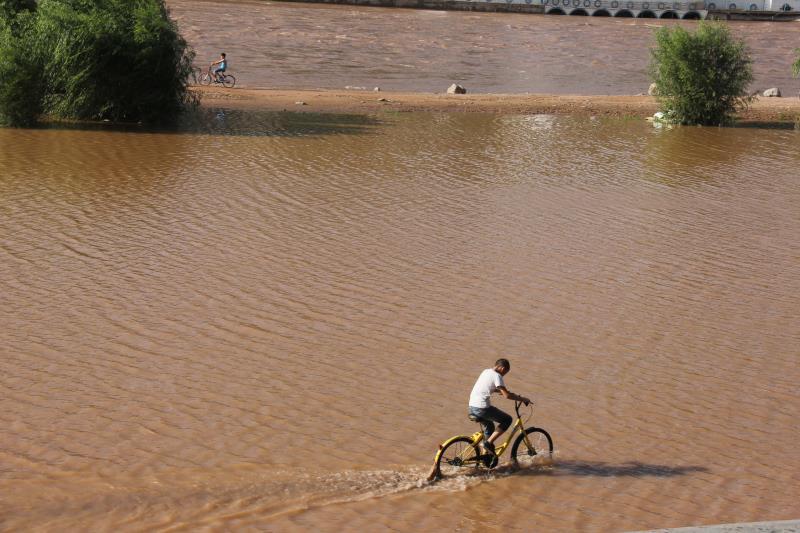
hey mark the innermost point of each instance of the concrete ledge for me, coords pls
(785, 526)
(739, 14)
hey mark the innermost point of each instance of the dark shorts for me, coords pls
(487, 416)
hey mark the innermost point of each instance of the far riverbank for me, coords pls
(353, 101)
(286, 46)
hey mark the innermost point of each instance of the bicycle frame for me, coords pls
(215, 78)
(477, 437)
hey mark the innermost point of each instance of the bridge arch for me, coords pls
(691, 15)
(669, 15)
(556, 11)
(646, 14)
(623, 13)
(580, 12)
(601, 13)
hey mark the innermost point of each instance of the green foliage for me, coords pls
(796, 66)
(10, 8)
(121, 60)
(702, 77)
(21, 78)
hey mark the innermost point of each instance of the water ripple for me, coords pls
(291, 296)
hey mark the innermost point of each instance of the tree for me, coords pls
(702, 77)
(119, 60)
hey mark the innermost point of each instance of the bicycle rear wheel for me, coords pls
(228, 81)
(205, 79)
(539, 452)
(458, 457)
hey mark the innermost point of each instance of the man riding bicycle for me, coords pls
(491, 380)
(223, 66)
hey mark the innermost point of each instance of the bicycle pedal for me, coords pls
(490, 460)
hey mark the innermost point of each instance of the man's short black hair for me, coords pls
(223, 54)
(503, 363)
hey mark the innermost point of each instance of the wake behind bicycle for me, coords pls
(461, 454)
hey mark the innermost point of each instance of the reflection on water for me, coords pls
(227, 122)
(272, 319)
(220, 121)
(671, 156)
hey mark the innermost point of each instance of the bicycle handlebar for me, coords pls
(518, 404)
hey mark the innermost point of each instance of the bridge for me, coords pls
(661, 9)
(626, 8)
(723, 9)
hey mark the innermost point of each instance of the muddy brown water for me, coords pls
(300, 46)
(270, 321)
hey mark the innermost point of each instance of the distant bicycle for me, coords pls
(226, 80)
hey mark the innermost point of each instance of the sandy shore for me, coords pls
(354, 101)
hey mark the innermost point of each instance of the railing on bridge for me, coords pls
(668, 9)
(642, 5)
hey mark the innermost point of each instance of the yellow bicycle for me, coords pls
(461, 454)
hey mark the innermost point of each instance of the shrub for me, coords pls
(21, 76)
(702, 77)
(796, 66)
(121, 60)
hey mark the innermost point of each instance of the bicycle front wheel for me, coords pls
(228, 81)
(205, 79)
(537, 450)
(458, 457)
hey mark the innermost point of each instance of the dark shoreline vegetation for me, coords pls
(117, 60)
(124, 61)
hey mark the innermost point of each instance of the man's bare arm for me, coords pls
(511, 396)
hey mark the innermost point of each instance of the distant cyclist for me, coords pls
(491, 380)
(223, 66)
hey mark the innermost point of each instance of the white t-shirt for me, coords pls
(487, 383)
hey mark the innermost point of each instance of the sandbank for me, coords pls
(357, 101)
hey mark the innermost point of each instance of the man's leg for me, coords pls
(488, 430)
(503, 422)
